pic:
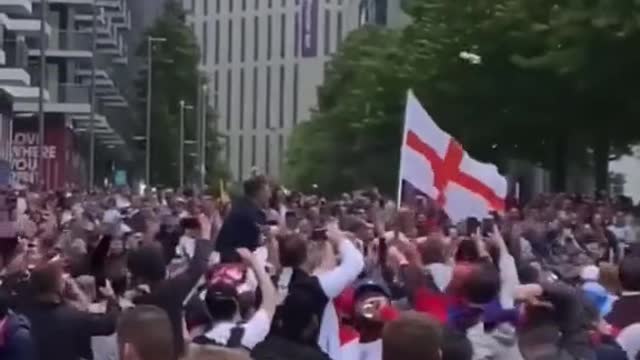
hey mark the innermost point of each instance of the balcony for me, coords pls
(16, 7)
(14, 71)
(64, 43)
(63, 98)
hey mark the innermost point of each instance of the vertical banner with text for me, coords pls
(24, 162)
(309, 28)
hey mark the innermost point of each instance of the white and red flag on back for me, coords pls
(436, 164)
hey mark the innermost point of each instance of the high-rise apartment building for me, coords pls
(69, 50)
(264, 60)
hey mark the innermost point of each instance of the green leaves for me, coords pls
(175, 77)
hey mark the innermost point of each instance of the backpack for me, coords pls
(234, 341)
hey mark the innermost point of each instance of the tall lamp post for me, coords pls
(183, 107)
(92, 94)
(147, 165)
(43, 78)
(203, 137)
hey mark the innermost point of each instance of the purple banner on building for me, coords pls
(309, 28)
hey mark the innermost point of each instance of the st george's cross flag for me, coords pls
(436, 164)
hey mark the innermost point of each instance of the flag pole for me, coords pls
(404, 140)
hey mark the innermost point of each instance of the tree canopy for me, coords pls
(536, 80)
(175, 77)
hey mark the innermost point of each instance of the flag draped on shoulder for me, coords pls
(436, 164)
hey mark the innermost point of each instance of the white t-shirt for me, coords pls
(255, 330)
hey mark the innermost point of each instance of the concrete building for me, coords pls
(69, 52)
(264, 60)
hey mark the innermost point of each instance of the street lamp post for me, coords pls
(43, 78)
(147, 164)
(183, 107)
(203, 131)
(92, 94)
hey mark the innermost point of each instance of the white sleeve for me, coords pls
(333, 282)
(508, 278)
(257, 329)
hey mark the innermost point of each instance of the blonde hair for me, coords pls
(208, 352)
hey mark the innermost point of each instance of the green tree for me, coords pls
(550, 88)
(353, 136)
(175, 77)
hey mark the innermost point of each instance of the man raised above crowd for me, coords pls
(242, 227)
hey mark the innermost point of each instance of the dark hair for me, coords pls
(253, 186)
(45, 279)
(148, 329)
(292, 250)
(455, 345)
(413, 336)
(482, 284)
(467, 251)
(629, 271)
(432, 251)
(147, 263)
(221, 309)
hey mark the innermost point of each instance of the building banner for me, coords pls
(309, 28)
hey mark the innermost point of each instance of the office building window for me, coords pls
(244, 5)
(281, 97)
(339, 29)
(270, 4)
(217, 44)
(296, 36)
(267, 155)
(269, 35)
(284, 3)
(205, 40)
(205, 7)
(253, 151)
(268, 98)
(217, 6)
(283, 35)
(242, 39)
(193, 6)
(216, 89)
(240, 157)
(257, 6)
(256, 38)
(241, 109)
(295, 94)
(228, 114)
(255, 97)
(281, 154)
(327, 32)
(231, 5)
(230, 42)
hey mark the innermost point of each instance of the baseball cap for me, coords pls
(371, 285)
(223, 281)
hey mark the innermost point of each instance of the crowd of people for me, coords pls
(284, 275)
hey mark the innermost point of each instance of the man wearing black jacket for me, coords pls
(147, 266)
(242, 227)
(59, 330)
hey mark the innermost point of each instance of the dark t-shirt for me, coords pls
(241, 228)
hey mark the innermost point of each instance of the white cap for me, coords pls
(590, 273)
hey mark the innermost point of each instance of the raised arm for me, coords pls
(333, 282)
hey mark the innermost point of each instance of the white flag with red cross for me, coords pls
(436, 164)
